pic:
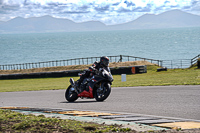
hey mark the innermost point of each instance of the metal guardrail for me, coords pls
(76, 61)
(171, 64)
(134, 58)
(181, 63)
(194, 60)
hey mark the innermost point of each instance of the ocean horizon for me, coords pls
(159, 44)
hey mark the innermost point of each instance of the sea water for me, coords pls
(160, 44)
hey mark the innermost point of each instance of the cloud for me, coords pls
(195, 6)
(107, 11)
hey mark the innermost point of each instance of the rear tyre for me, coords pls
(102, 92)
(70, 96)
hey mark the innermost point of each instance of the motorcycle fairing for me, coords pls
(86, 93)
(95, 79)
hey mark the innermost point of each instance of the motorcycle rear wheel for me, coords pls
(101, 94)
(70, 96)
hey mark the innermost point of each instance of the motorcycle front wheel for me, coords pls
(102, 92)
(70, 95)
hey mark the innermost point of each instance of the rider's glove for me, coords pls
(96, 71)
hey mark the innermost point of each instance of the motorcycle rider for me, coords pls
(94, 69)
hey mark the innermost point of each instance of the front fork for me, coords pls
(100, 88)
(71, 80)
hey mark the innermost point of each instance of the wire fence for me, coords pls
(76, 61)
(181, 63)
(195, 59)
(184, 63)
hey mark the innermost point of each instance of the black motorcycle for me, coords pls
(97, 86)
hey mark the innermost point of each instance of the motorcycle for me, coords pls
(97, 86)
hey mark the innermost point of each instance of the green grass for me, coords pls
(34, 84)
(11, 121)
(17, 122)
(151, 78)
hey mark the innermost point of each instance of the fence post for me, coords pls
(120, 60)
(82, 61)
(191, 62)
(198, 63)
(171, 65)
(181, 64)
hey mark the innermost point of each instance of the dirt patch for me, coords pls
(130, 63)
(73, 67)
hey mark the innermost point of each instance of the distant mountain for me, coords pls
(93, 26)
(47, 24)
(169, 19)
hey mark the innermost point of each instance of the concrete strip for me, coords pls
(157, 121)
(131, 125)
(134, 121)
(136, 118)
(180, 125)
(118, 116)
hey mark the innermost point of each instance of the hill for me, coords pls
(47, 24)
(169, 19)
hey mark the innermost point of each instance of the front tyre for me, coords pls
(102, 92)
(70, 94)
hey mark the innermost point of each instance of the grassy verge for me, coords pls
(151, 78)
(16, 122)
(170, 77)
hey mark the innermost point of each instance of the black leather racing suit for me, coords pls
(92, 70)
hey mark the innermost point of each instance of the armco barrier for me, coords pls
(114, 71)
(41, 75)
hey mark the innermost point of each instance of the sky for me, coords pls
(109, 12)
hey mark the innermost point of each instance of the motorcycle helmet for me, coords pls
(104, 61)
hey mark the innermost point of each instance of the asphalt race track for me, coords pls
(168, 101)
